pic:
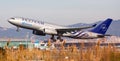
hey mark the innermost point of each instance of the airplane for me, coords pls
(45, 28)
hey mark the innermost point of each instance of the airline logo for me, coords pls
(103, 27)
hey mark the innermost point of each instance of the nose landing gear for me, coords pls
(17, 29)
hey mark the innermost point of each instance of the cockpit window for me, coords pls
(12, 18)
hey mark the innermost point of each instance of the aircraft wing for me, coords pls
(64, 30)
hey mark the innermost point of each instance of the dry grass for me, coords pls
(70, 53)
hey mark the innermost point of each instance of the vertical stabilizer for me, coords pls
(103, 27)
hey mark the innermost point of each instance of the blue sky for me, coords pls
(62, 12)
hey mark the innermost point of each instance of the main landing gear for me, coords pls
(58, 38)
(53, 38)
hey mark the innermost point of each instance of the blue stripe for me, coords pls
(79, 33)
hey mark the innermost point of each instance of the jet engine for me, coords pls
(36, 32)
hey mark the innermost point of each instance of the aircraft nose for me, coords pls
(11, 20)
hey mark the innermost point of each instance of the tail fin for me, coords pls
(103, 27)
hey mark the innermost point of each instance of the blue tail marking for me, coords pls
(103, 27)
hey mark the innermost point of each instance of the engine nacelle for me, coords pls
(38, 32)
(50, 31)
